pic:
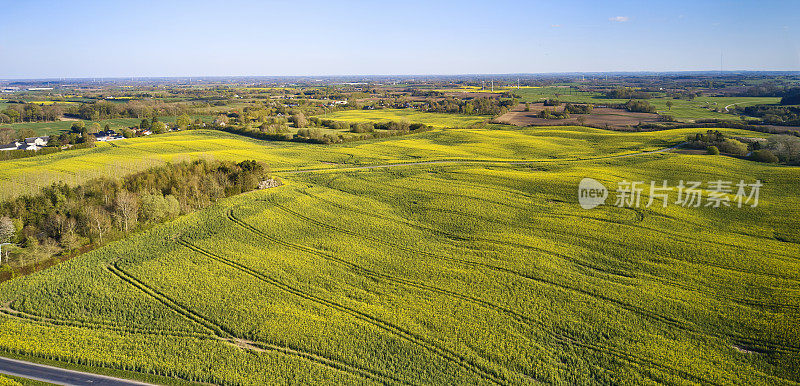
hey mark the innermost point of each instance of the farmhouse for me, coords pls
(105, 136)
(32, 143)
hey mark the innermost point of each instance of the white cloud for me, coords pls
(619, 19)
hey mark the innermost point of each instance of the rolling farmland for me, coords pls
(478, 273)
(492, 143)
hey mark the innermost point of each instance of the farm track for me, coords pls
(517, 193)
(452, 236)
(560, 337)
(672, 237)
(7, 310)
(223, 334)
(680, 324)
(480, 162)
(748, 302)
(393, 329)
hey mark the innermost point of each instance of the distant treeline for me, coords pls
(361, 131)
(132, 109)
(61, 218)
(476, 106)
(31, 112)
(775, 115)
(777, 148)
(626, 93)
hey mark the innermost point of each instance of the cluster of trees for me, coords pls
(62, 218)
(626, 93)
(552, 102)
(553, 114)
(777, 148)
(639, 106)
(792, 98)
(578, 109)
(775, 115)
(716, 141)
(476, 106)
(132, 109)
(30, 112)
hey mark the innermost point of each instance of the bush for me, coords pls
(764, 155)
(639, 106)
(732, 146)
(713, 150)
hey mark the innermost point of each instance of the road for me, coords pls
(58, 375)
(521, 162)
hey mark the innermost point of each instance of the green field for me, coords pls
(682, 110)
(117, 124)
(440, 274)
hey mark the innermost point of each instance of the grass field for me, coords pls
(436, 274)
(117, 124)
(683, 110)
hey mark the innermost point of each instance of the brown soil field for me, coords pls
(600, 117)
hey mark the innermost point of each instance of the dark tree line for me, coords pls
(476, 106)
(62, 218)
(626, 93)
(30, 112)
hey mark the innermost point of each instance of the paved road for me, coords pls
(58, 375)
(521, 162)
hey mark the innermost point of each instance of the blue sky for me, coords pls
(236, 37)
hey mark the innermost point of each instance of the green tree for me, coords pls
(669, 105)
(299, 120)
(183, 121)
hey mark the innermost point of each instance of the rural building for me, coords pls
(32, 143)
(105, 136)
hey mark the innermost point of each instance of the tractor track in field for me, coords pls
(680, 238)
(683, 325)
(561, 338)
(223, 334)
(452, 236)
(7, 310)
(671, 236)
(391, 328)
(480, 162)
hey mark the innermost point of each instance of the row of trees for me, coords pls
(476, 106)
(132, 109)
(775, 115)
(62, 218)
(639, 106)
(626, 93)
(777, 148)
(30, 112)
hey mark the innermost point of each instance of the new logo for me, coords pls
(591, 193)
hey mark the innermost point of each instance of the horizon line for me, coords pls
(562, 73)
